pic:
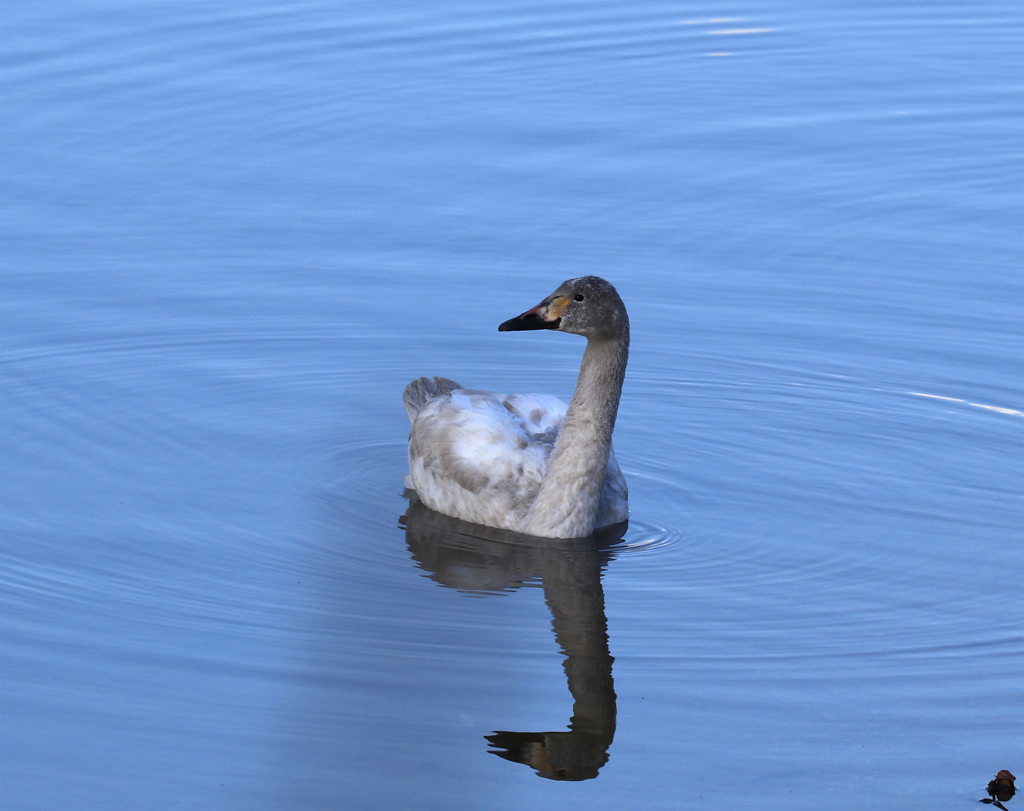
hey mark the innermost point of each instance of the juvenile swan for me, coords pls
(528, 462)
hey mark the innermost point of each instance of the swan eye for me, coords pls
(579, 297)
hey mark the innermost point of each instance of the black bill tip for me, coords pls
(529, 320)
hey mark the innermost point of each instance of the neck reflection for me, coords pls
(473, 558)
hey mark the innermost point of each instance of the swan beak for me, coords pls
(546, 315)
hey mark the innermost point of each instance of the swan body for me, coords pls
(529, 462)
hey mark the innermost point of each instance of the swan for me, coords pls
(529, 462)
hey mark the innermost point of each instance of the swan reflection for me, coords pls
(478, 559)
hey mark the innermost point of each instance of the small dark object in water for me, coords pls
(1001, 789)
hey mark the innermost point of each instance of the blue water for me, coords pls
(233, 232)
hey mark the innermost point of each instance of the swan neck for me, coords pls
(595, 401)
(568, 500)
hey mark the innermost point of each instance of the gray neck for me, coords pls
(568, 500)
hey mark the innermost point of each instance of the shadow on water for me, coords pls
(480, 560)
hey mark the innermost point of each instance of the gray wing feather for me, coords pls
(424, 389)
(481, 456)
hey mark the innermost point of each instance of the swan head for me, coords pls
(587, 306)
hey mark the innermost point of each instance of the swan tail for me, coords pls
(424, 389)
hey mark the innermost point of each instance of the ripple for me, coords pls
(644, 538)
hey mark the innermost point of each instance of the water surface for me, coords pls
(234, 232)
